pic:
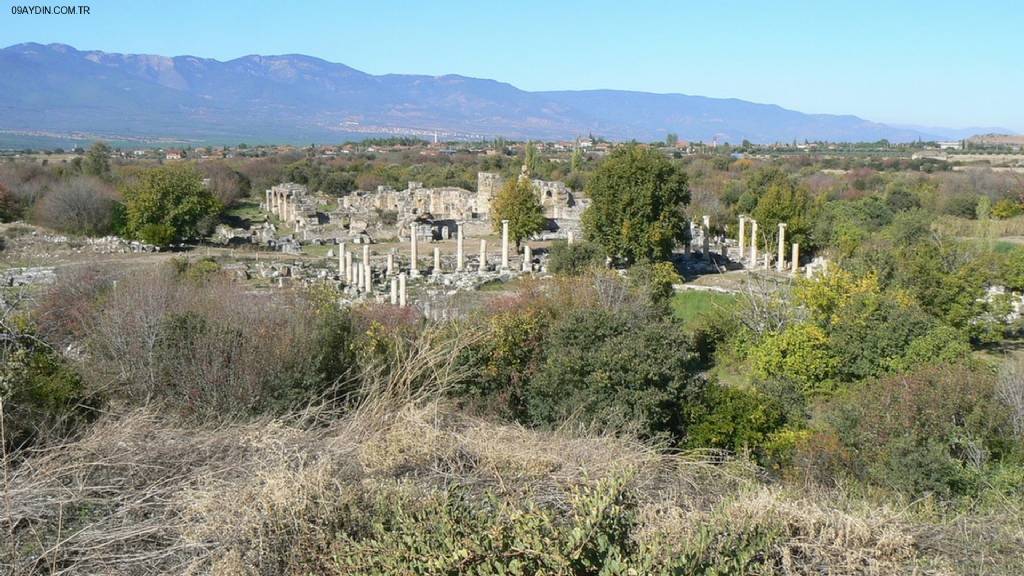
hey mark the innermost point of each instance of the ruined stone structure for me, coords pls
(417, 201)
(292, 204)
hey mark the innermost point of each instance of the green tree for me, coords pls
(636, 212)
(166, 204)
(577, 160)
(671, 138)
(517, 203)
(799, 354)
(531, 158)
(97, 160)
(784, 202)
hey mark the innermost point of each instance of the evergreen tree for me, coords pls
(517, 203)
(636, 204)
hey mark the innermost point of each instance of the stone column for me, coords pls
(267, 205)
(743, 232)
(348, 267)
(504, 244)
(753, 244)
(767, 260)
(341, 260)
(483, 256)
(367, 277)
(706, 229)
(781, 262)
(437, 261)
(460, 254)
(391, 265)
(413, 272)
(527, 258)
(570, 237)
(357, 275)
(796, 259)
(401, 289)
(366, 254)
(394, 290)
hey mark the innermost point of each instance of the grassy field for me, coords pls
(688, 305)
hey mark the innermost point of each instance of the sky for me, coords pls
(935, 63)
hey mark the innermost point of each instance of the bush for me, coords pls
(167, 204)
(739, 420)
(964, 206)
(609, 369)
(574, 259)
(799, 354)
(79, 206)
(449, 532)
(932, 431)
(42, 396)
(655, 280)
(195, 344)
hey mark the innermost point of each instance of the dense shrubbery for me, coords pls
(938, 430)
(41, 396)
(184, 337)
(574, 259)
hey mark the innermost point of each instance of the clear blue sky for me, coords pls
(941, 63)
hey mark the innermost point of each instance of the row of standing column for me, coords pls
(360, 274)
(780, 261)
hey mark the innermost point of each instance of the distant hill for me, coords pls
(57, 89)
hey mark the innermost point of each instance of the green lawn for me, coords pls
(246, 210)
(688, 305)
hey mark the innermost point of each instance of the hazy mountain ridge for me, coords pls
(296, 97)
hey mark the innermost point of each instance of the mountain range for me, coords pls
(57, 89)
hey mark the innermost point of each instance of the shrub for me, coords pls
(198, 346)
(79, 206)
(963, 206)
(449, 532)
(940, 345)
(167, 204)
(1007, 208)
(42, 396)
(609, 369)
(655, 280)
(799, 354)
(574, 259)
(735, 419)
(934, 430)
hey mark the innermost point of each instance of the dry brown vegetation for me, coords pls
(141, 495)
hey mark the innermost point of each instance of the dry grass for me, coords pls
(141, 495)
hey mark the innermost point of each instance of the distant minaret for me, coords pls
(435, 136)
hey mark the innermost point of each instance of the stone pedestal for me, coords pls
(401, 289)
(483, 256)
(527, 259)
(394, 290)
(437, 261)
